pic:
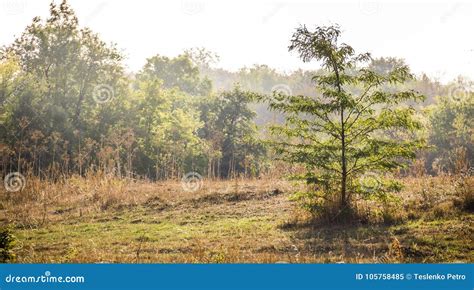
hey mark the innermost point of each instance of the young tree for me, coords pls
(352, 126)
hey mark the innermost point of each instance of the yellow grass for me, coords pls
(105, 219)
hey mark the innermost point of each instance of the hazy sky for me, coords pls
(433, 37)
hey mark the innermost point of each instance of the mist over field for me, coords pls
(236, 132)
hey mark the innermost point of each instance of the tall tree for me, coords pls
(352, 126)
(73, 72)
(230, 130)
(451, 134)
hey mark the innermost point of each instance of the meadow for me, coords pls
(102, 219)
(355, 159)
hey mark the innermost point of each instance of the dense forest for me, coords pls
(70, 107)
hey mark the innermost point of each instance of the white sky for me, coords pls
(435, 37)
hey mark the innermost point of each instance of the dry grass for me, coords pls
(102, 219)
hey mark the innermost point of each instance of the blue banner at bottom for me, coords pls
(237, 276)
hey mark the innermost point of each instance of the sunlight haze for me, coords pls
(432, 38)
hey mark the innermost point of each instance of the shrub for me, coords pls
(7, 243)
(465, 193)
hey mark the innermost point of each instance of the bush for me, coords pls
(7, 243)
(323, 207)
(465, 193)
(443, 209)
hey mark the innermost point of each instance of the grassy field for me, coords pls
(102, 219)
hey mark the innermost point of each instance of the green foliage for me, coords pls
(229, 130)
(452, 134)
(7, 243)
(59, 68)
(352, 126)
(177, 72)
(166, 125)
(68, 107)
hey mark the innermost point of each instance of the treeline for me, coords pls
(68, 106)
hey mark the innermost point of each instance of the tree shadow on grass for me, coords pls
(342, 242)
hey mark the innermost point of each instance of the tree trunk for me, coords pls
(344, 166)
(344, 202)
